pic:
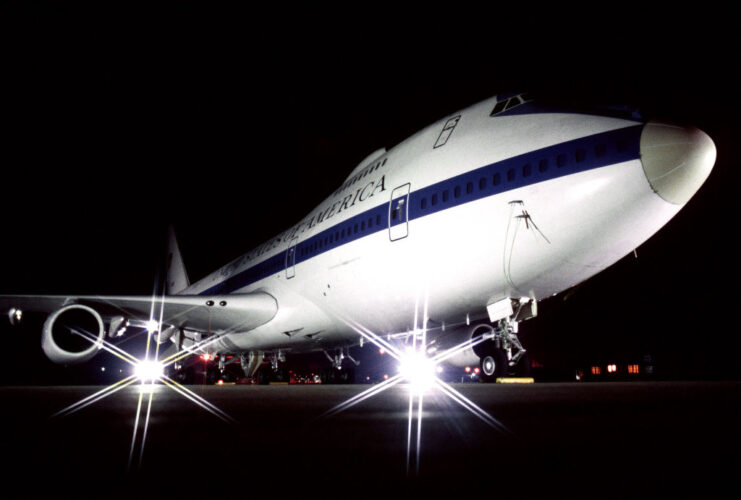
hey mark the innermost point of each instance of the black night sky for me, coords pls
(233, 126)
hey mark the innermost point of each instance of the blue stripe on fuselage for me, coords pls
(563, 159)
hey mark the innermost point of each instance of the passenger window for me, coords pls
(543, 165)
(561, 160)
(581, 155)
(433, 201)
(446, 195)
(423, 203)
(510, 175)
(457, 191)
(496, 180)
(526, 170)
(469, 187)
(600, 150)
(482, 183)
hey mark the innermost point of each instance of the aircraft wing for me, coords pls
(214, 313)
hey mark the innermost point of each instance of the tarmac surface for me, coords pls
(598, 440)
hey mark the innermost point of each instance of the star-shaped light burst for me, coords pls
(149, 372)
(419, 370)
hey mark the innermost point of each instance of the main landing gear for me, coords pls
(502, 354)
(337, 374)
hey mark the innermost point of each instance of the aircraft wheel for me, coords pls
(346, 376)
(493, 364)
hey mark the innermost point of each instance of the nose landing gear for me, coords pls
(502, 355)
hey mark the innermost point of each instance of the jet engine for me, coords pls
(457, 336)
(72, 334)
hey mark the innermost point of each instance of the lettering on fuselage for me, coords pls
(360, 175)
(362, 193)
(346, 202)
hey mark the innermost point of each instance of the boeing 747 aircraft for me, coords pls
(449, 239)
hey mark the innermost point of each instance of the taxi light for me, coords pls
(418, 370)
(149, 370)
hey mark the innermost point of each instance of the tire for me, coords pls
(264, 376)
(493, 364)
(346, 376)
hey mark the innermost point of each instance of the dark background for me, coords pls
(233, 126)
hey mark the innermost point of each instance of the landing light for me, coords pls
(418, 369)
(149, 370)
(152, 326)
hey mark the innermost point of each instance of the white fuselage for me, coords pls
(518, 205)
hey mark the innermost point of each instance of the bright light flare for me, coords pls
(152, 326)
(149, 370)
(419, 370)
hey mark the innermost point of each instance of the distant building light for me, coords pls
(634, 369)
(596, 370)
(611, 368)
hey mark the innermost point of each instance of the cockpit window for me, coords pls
(503, 104)
(546, 102)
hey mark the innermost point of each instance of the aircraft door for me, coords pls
(291, 259)
(399, 213)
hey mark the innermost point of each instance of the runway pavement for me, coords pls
(605, 440)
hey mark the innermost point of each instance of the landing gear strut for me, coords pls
(502, 354)
(336, 374)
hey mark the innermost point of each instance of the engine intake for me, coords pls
(74, 339)
(458, 336)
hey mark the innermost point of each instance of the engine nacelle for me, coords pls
(75, 339)
(457, 336)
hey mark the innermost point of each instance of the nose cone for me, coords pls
(676, 160)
